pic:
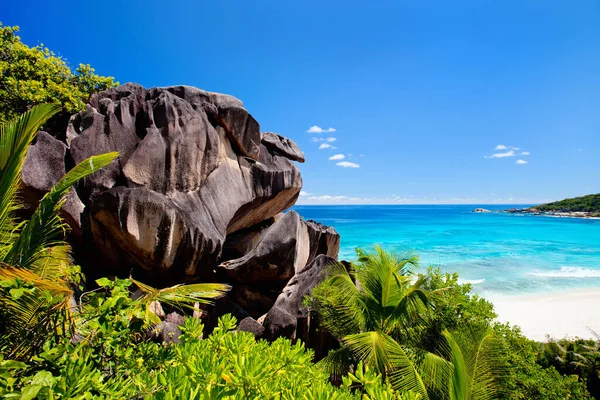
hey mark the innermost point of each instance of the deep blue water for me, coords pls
(499, 253)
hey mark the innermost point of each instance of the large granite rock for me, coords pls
(285, 249)
(198, 193)
(44, 166)
(192, 170)
(283, 317)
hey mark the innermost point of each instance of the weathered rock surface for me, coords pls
(198, 193)
(282, 145)
(249, 324)
(286, 248)
(282, 319)
(191, 170)
(44, 166)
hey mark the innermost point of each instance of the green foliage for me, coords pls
(589, 203)
(527, 378)
(226, 365)
(578, 357)
(35, 75)
(381, 312)
(35, 268)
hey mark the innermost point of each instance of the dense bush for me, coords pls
(36, 75)
(523, 369)
(589, 203)
(116, 360)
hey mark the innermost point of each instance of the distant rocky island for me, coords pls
(577, 207)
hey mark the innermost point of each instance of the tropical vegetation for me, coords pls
(402, 334)
(589, 203)
(36, 75)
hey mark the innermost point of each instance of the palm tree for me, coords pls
(364, 316)
(467, 366)
(36, 272)
(381, 299)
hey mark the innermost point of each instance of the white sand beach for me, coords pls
(558, 314)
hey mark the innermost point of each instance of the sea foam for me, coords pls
(471, 281)
(569, 272)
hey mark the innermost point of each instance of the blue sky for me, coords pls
(419, 95)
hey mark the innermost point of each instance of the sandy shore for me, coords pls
(557, 314)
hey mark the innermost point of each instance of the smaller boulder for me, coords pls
(280, 323)
(175, 318)
(282, 319)
(249, 324)
(167, 332)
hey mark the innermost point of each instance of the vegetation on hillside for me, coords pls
(36, 75)
(402, 335)
(589, 203)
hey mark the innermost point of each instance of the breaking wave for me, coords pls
(569, 272)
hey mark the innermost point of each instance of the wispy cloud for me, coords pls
(326, 146)
(510, 151)
(329, 139)
(304, 194)
(347, 164)
(410, 199)
(521, 162)
(337, 157)
(318, 129)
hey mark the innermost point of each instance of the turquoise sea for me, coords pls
(499, 253)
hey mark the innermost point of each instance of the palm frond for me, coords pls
(338, 362)
(45, 228)
(179, 295)
(15, 138)
(343, 308)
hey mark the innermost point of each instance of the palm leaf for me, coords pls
(45, 228)
(15, 138)
(179, 295)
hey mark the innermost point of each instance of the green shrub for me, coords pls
(35, 75)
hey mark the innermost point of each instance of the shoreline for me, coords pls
(568, 313)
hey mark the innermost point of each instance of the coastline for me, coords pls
(560, 314)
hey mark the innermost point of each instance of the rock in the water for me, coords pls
(289, 302)
(283, 146)
(185, 179)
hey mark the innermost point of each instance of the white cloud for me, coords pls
(316, 139)
(411, 199)
(304, 194)
(521, 162)
(325, 146)
(331, 139)
(318, 129)
(510, 153)
(347, 164)
(337, 157)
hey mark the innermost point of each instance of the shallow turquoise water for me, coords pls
(498, 253)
